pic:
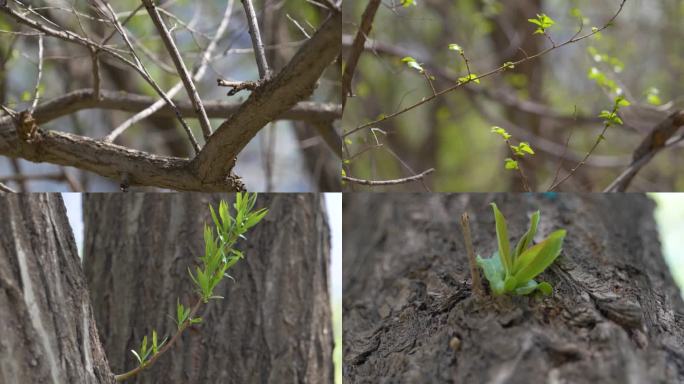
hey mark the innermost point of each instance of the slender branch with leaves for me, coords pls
(220, 254)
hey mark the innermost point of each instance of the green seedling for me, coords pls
(513, 271)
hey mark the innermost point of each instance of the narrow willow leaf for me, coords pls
(526, 241)
(536, 259)
(510, 283)
(137, 357)
(502, 239)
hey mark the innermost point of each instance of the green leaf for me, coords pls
(196, 320)
(622, 102)
(508, 65)
(456, 47)
(543, 22)
(510, 163)
(502, 132)
(502, 239)
(408, 3)
(545, 288)
(525, 147)
(537, 258)
(412, 63)
(493, 271)
(526, 240)
(471, 77)
(527, 288)
(137, 357)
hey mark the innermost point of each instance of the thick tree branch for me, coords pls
(109, 160)
(180, 66)
(294, 83)
(75, 101)
(660, 137)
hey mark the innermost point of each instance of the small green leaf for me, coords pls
(622, 102)
(412, 63)
(456, 47)
(137, 357)
(493, 271)
(502, 132)
(502, 239)
(508, 65)
(408, 3)
(526, 240)
(536, 259)
(525, 147)
(510, 164)
(471, 77)
(545, 288)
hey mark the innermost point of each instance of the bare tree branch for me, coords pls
(660, 137)
(253, 23)
(376, 183)
(180, 66)
(295, 82)
(36, 92)
(357, 48)
(4, 188)
(108, 160)
(74, 101)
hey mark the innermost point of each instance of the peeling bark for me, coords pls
(616, 315)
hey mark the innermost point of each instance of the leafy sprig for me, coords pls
(542, 22)
(219, 256)
(513, 271)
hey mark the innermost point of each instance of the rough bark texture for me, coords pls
(616, 315)
(47, 328)
(274, 325)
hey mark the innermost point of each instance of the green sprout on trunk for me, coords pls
(513, 271)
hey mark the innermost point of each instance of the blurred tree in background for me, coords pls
(595, 107)
(93, 83)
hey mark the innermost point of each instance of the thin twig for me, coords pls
(36, 92)
(166, 347)
(357, 48)
(388, 182)
(143, 71)
(180, 66)
(199, 73)
(262, 64)
(4, 188)
(490, 73)
(474, 272)
(96, 73)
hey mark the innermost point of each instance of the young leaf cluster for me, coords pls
(513, 271)
(520, 150)
(542, 22)
(219, 251)
(146, 352)
(611, 117)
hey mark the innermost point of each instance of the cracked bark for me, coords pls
(274, 325)
(616, 315)
(46, 321)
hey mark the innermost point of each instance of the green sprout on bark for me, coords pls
(513, 271)
(219, 256)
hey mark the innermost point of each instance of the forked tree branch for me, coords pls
(295, 82)
(81, 99)
(211, 170)
(180, 66)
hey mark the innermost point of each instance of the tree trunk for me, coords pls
(274, 325)
(616, 315)
(47, 327)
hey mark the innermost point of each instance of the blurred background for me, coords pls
(333, 205)
(547, 102)
(285, 156)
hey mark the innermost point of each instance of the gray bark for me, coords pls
(616, 315)
(274, 325)
(46, 321)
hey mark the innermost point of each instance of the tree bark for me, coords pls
(615, 316)
(274, 325)
(46, 321)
